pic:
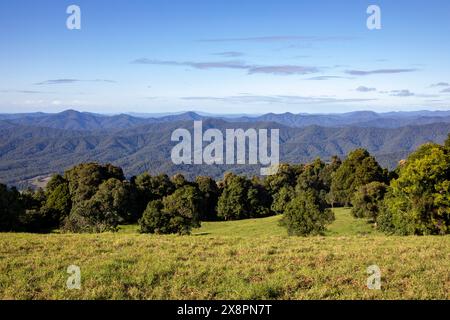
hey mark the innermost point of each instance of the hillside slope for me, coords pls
(27, 152)
(224, 264)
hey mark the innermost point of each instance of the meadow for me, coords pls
(248, 259)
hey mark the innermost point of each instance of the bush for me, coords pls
(176, 213)
(89, 217)
(418, 201)
(155, 219)
(367, 200)
(103, 212)
(304, 215)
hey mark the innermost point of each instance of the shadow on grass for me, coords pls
(201, 234)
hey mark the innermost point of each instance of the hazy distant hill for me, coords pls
(28, 151)
(358, 118)
(75, 120)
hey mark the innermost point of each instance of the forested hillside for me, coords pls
(28, 151)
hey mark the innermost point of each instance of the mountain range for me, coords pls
(74, 120)
(39, 144)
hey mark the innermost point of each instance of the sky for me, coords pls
(226, 57)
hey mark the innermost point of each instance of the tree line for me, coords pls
(92, 197)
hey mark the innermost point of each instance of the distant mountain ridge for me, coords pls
(74, 120)
(28, 151)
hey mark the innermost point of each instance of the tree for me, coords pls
(447, 142)
(232, 203)
(286, 175)
(281, 199)
(314, 177)
(242, 198)
(36, 218)
(209, 192)
(148, 188)
(54, 182)
(358, 169)
(11, 209)
(58, 201)
(84, 179)
(258, 199)
(367, 200)
(418, 201)
(179, 181)
(176, 213)
(304, 215)
(155, 219)
(104, 211)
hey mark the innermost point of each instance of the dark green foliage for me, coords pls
(103, 211)
(316, 176)
(367, 200)
(286, 175)
(447, 142)
(12, 209)
(176, 213)
(232, 203)
(358, 169)
(155, 219)
(58, 203)
(258, 198)
(240, 199)
(84, 179)
(55, 181)
(281, 199)
(148, 188)
(179, 181)
(305, 215)
(89, 217)
(209, 192)
(418, 201)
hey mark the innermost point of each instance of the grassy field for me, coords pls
(251, 259)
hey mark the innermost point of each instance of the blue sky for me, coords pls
(224, 56)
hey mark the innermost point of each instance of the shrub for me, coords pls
(103, 212)
(176, 213)
(418, 201)
(304, 215)
(367, 200)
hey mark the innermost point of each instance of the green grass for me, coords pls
(243, 228)
(345, 224)
(251, 259)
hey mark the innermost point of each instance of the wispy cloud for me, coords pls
(365, 89)
(198, 65)
(69, 81)
(235, 64)
(25, 91)
(277, 99)
(230, 54)
(280, 38)
(323, 78)
(446, 90)
(401, 93)
(283, 70)
(440, 84)
(378, 71)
